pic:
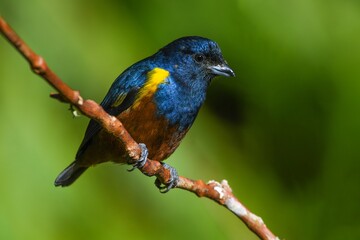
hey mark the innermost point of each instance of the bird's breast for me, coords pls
(146, 125)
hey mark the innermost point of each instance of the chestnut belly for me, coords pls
(145, 126)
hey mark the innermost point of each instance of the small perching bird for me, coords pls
(157, 99)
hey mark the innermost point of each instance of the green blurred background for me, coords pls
(285, 132)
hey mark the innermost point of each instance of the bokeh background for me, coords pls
(285, 132)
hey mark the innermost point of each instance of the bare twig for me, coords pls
(219, 192)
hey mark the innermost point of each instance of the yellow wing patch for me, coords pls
(155, 77)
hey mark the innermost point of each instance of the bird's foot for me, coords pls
(174, 178)
(143, 158)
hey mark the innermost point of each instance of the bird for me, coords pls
(157, 100)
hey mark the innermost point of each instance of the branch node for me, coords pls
(39, 65)
(59, 97)
(258, 219)
(80, 100)
(218, 188)
(226, 186)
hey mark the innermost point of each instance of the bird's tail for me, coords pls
(69, 175)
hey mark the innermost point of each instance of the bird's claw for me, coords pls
(174, 178)
(143, 158)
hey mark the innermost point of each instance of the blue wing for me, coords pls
(120, 97)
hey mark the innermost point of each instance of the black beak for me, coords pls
(222, 70)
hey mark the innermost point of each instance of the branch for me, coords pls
(218, 192)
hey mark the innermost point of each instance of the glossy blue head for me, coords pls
(190, 56)
(192, 62)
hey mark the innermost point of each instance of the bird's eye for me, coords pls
(199, 57)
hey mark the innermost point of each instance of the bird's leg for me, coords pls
(142, 160)
(174, 178)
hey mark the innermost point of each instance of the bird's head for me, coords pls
(195, 58)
